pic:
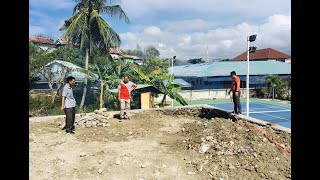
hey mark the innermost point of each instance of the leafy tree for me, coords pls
(87, 29)
(37, 59)
(196, 61)
(152, 51)
(68, 53)
(278, 86)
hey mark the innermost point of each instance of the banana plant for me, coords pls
(170, 88)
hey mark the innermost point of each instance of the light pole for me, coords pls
(249, 39)
(173, 57)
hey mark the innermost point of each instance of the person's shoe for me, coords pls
(126, 117)
(70, 132)
(64, 127)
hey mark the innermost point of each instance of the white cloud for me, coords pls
(45, 25)
(188, 25)
(153, 30)
(226, 42)
(244, 8)
(33, 30)
(53, 4)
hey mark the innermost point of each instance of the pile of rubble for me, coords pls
(224, 146)
(98, 119)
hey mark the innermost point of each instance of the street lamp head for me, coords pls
(174, 57)
(252, 38)
(252, 49)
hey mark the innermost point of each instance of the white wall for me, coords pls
(203, 94)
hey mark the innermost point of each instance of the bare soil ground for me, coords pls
(156, 146)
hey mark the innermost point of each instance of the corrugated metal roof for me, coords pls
(56, 66)
(115, 51)
(268, 53)
(224, 68)
(179, 81)
(41, 40)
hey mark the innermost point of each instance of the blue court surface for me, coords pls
(263, 111)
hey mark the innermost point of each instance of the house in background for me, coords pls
(116, 54)
(46, 44)
(216, 75)
(58, 71)
(268, 54)
(60, 42)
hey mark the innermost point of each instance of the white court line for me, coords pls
(268, 105)
(267, 108)
(274, 117)
(270, 111)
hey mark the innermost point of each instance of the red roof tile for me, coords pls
(115, 51)
(268, 53)
(41, 40)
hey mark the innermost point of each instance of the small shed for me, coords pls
(144, 94)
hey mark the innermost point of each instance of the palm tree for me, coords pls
(87, 29)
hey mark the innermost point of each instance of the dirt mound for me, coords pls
(157, 145)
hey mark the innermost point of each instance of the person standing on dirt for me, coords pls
(68, 104)
(124, 90)
(235, 89)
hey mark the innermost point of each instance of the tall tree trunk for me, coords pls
(163, 99)
(272, 93)
(51, 91)
(85, 80)
(54, 94)
(101, 95)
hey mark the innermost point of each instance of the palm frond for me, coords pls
(141, 74)
(115, 10)
(103, 35)
(78, 7)
(75, 30)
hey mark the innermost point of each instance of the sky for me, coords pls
(183, 28)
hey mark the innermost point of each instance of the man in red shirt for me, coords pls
(124, 89)
(235, 89)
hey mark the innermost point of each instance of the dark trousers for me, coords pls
(70, 118)
(236, 102)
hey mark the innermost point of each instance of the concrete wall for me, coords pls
(204, 94)
(202, 111)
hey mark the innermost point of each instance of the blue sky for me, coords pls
(183, 27)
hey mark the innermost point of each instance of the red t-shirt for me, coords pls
(235, 80)
(125, 89)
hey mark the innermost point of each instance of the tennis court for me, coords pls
(277, 114)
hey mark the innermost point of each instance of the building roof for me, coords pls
(179, 81)
(41, 40)
(224, 68)
(130, 57)
(115, 51)
(76, 70)
(268, 53)
(61, 41)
